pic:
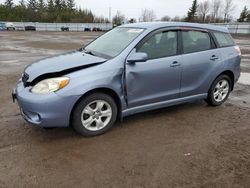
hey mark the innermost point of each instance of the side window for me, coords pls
(160, 45)
(224, 39)
(195, 41)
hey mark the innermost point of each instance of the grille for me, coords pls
(25, 77)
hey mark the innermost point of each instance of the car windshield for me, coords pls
(113, 42)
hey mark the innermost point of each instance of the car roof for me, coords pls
(157, 25)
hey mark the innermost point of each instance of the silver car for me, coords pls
(130, 69)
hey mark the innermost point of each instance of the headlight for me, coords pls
(50, 85)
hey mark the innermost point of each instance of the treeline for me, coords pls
(215, 11)
(208, 11)
(212, 11)
(47, 11)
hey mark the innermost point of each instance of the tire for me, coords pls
(219, 92)
(94, 114)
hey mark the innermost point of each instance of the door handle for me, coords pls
(214, 57)
(175, 64)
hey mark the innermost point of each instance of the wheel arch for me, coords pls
(107, 91)
(230, 74)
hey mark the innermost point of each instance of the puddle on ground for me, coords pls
(244, 78)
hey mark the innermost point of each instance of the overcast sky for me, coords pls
(133, 8)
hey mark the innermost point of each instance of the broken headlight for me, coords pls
(50, 85)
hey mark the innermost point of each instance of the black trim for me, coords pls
(213, 43)
(214, 38)
(180, 42)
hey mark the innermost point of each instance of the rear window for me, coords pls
(195, 41)
(224, 39)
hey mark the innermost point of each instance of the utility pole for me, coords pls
(110, 19)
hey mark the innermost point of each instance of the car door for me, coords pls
(200, 62)
(157, 79)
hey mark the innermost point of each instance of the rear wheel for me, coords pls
(94, 114)
(219, 91)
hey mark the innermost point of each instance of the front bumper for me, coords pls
(49, 110)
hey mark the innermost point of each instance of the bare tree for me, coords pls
(228, 9)
(203, 10)
(176, 19)
(215, 9)
(119, 18)
(147, 16)
(165, 18)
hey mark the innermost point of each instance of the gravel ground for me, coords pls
(189, 145)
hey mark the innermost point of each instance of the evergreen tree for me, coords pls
(248, 16)
(32, 4)
(9, 3)
(51, 11)
(20, 11)
(32, 11)
(22, 3)
(58, 8)
(41, 5)
(70, 4)
(243, 15)
(63, 5)
(45, 11)
(58, 5)
(192, 13)
(50, 6)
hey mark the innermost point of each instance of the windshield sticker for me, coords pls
(135, 30)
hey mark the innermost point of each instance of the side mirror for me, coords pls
(137, 57)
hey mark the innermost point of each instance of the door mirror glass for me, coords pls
(137, 57)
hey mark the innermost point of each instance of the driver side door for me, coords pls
(159, 78)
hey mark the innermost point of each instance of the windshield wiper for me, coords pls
(89, 52)
(93, 53)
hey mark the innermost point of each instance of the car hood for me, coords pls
(59, 65)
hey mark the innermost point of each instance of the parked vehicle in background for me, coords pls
(87, 29)
(30, 28)
(2, 26)
(20, 28)
(96, 29)
(130, 69)
(10, 26)
(63, 28)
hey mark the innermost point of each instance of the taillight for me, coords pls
(237, 48)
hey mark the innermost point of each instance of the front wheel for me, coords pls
(95, 114)
(219, 91)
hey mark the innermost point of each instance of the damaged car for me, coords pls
(130, 69)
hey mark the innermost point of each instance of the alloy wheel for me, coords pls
(96, 115)
(221, 90)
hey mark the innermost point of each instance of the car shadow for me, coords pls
(68, 132)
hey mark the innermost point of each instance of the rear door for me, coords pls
(201, 60)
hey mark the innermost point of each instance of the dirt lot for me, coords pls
(190, 145)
